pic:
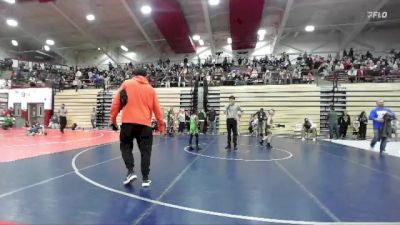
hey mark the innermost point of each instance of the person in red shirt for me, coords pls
(138, 101)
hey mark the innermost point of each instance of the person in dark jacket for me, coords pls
(344, 122)
(363, 119)
(333, 123)
(386, 130)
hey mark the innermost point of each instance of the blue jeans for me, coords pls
(377, 137)
(333, 130)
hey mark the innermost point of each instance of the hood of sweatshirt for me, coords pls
(141, 79)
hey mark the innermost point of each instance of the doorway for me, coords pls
(36, 112)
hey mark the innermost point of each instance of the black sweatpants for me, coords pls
(343, 130)
(231, 126)
(144, 138)
(63, 123)
(362, 132)
(191, 138)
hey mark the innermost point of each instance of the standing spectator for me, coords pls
(212, 118)
(181, 119)
(376, 115)
(202, 119)
(344, 122)
(110, 66)
(333, 123)
(62, 113)
(93, 118)
(106, 83)
(362, 118)
(170, 122)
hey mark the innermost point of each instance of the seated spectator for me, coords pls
(7, 123)
(309, 127)
(352, 74)
(308, 78)
(54, 123)
(361, 73)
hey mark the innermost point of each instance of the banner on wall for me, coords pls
(3, 102)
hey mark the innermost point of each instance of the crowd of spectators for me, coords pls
(280, 69)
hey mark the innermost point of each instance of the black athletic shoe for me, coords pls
(228, 147)
(129, 177)
(191, 148)
(269, 146)
(261, 142)
(235, 148)
(198, 148)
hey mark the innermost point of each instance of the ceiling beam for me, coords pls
(208, 25)
(356, 40)
(138, 24)
(294, 48)
(357, 30)
(285, 17)
(83, 32)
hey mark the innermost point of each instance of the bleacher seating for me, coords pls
(79, 105)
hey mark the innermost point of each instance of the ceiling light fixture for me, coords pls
(98, 49)
(49, 42)
(146, 10)
(90, 17)
(261, 32)
(229, 40)
(9, 1)
(123, 47)
(309, 28)
(201, 42)
(14, 42)
(47, 48)
(196, 37)
(12, 22)
(213, 2)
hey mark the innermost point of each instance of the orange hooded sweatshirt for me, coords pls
(142, 103)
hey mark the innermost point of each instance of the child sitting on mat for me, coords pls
(36, 129)
(7, 123)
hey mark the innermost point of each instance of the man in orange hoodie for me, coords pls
(137, 112)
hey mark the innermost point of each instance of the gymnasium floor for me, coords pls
(295, 183)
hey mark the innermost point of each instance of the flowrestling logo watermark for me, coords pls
(377, 15)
